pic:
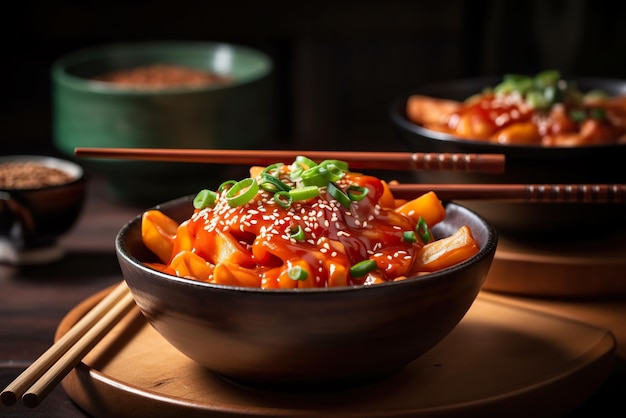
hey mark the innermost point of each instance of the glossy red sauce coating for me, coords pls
(335, 236)
(495, 112)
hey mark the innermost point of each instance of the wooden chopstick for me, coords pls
(485, 163)
(547, 193)
(52, 366)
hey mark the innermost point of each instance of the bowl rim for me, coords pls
(488, 248)
(399, 118)
(70, 167)
(61, 76)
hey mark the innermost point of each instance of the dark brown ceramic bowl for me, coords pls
(33, 217)
(524, 165)
(309, 338)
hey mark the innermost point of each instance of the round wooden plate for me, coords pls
(590, 269)
(501, 360)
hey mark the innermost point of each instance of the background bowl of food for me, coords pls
(41, 198)
(161, 95)
(552, 129)
(276, 283)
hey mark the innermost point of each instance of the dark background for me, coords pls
(339, 64)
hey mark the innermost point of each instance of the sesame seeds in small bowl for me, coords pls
(41, 198)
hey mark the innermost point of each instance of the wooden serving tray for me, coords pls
(591, 269)
(501, 360)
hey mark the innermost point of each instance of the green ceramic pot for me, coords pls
(233, 115)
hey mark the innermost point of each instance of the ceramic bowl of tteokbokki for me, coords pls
(305, 274)
(552, 129)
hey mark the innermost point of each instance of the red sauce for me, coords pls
(494, 112)
(335, 236)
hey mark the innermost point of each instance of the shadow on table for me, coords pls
(74, 266)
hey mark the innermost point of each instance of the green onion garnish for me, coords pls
(272, 169)
(597, 113)
(283, 198)
(331, 172)
(272, 184)
(362, 268)
(357, 193)
(422, 230)
(547, 78)
(338, 194)
(296, 232)
(538, 100)
(204, 198)
(304, 193)
(313, 177)
(226, 185)
(297, 273)
(341, 165)
(305, 161)
(577, 115)
(299, 166)
(242, 192)
(409, 236)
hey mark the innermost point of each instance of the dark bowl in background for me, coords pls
(317, 338)
(33, 219)
(524, 165)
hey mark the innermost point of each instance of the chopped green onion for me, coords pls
(313, 177)
(577, 115)
(242, 192)
(547, 78)
(515, 83)
(597, 113)
(342, 165)
(299, 166)
(551, 95)
(537, 100)
(409, 236)
(271, 169)
(338, 194)
(297, 273)
(331, 172)
(296, 232)
(204, 198)
(362, 268)
(305, 161)
(226, 185)
(272, 184)
(357, 193)
(283, 198)
(304, 193)
(422, 230)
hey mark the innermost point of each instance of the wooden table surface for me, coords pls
(34, 299)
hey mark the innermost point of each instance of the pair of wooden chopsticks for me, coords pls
(529, 193)
(36, 382)
(486, 163)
